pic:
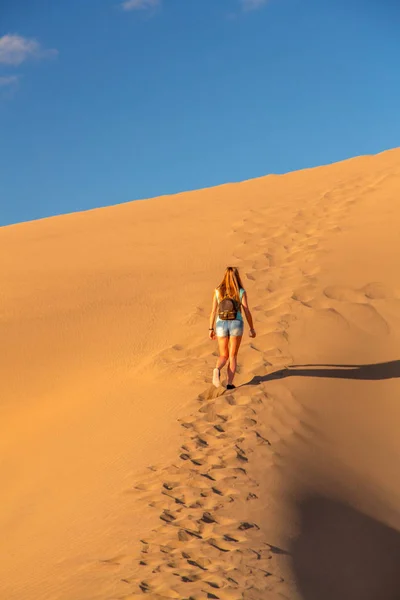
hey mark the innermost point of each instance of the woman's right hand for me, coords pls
(252, 333)
(211, 334)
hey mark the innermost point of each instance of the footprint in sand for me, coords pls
(366, 317)
(305, 294)
(380, 291)
(344, 294)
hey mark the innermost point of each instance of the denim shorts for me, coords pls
(232, 328)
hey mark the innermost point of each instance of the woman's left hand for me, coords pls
(211, 334)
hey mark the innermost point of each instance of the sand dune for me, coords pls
(125, 474)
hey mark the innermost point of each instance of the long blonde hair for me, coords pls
(231, 284)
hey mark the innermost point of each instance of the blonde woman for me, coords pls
(228, 301)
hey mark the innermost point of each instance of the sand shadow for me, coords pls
(340, 553)
(371, 372)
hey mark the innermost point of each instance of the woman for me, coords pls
(228, 330)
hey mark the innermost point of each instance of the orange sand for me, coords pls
(104, 318)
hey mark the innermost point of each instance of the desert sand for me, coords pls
(125, 475)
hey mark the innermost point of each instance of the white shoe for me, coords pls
(215, 379)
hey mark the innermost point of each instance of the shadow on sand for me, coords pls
(372, 372)
(342, 554)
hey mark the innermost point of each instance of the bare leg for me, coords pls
(223, 352)
(234, 344)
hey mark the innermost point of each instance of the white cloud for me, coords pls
(140, 4)
(15, 49)
(9, 80)
(253, 4)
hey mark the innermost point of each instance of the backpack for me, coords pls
(228, 309)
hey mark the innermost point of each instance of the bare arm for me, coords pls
(212, 315)
(247, 313)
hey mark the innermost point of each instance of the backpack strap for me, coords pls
(241, 292)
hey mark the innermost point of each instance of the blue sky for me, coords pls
(103, 102)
